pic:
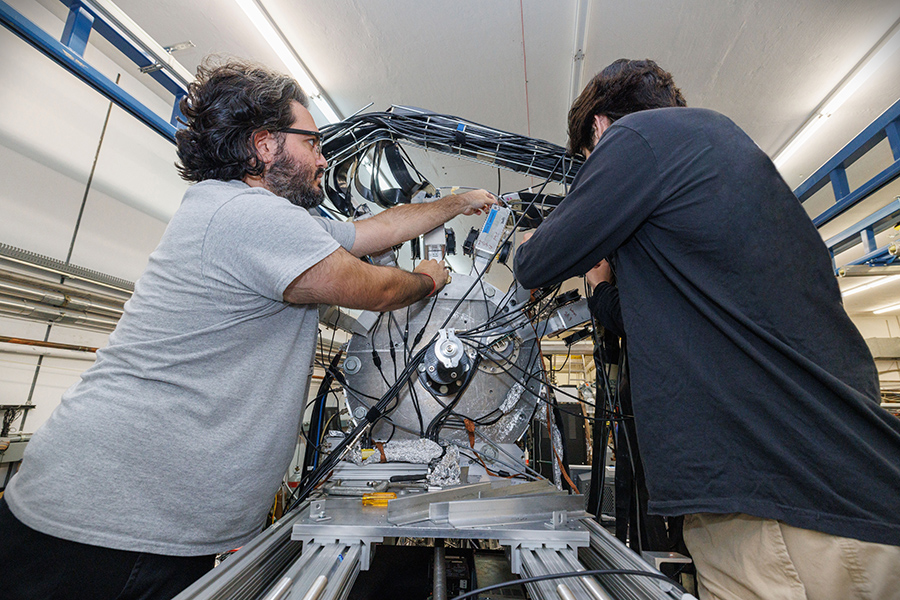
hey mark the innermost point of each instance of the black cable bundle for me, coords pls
(311, 480)
(347, 142)
(311, 456)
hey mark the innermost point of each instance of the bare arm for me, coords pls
(401, 223)
(344, 280)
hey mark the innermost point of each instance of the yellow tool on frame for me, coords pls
(378, 498)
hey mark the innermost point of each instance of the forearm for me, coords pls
(398, 289)
(549, 254)
(344, 280)
(404, 222)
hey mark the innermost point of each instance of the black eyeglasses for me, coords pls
(316, 142)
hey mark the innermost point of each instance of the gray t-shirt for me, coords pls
(176, 440)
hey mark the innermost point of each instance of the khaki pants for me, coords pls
(739, 557)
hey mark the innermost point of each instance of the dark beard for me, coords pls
(294, 182)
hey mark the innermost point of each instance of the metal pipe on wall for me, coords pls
(54, 314)
(53, 298)
(32, 350)
(45, 344)
(98, 298)
(51, 266)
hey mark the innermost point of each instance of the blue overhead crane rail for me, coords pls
(835, 172)
(68, 53)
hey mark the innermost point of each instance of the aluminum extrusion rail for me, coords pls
(546, 561)
(607, 552)
(254, 569)
(323, 571)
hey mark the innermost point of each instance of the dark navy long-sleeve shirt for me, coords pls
(604, 306)
(754, 391)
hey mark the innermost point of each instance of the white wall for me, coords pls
(50, 129)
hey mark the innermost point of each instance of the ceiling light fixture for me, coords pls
(890, 308)
(869, 286)
(277, 40)
(888, 45)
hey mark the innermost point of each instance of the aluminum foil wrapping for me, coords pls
(504, 429)
(541, 412)
(446, 471)
(558, 447)
(512, 396)
(421, 451)
(354, 454)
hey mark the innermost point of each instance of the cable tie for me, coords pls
(374, 414)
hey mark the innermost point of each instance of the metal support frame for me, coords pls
(105, 18)
(78, 29)
(339, 536)
(132, 41)
(526, 522)
(834, 171)
(864, 232)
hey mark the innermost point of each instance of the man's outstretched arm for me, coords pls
(344, 280)
(402, 223)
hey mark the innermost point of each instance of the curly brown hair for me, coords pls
(224, 107)
(624, 87)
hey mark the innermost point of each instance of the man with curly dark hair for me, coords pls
(755, 398)
(173, 445)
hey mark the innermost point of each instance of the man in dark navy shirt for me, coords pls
(755, 397)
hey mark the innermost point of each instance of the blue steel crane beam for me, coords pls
(72, 61)
(834, 170)
(135, 45)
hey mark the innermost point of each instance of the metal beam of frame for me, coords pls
(877, 222)
(415, 508)
(867, 271)
(878, 257)
(511, 509)
(72, 62)
(79, 25)
(864, 191)
(833, 171)
(132, 41)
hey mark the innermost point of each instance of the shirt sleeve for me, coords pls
(344, 232)
(260, 243)
(616, 190)
(604, 306)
